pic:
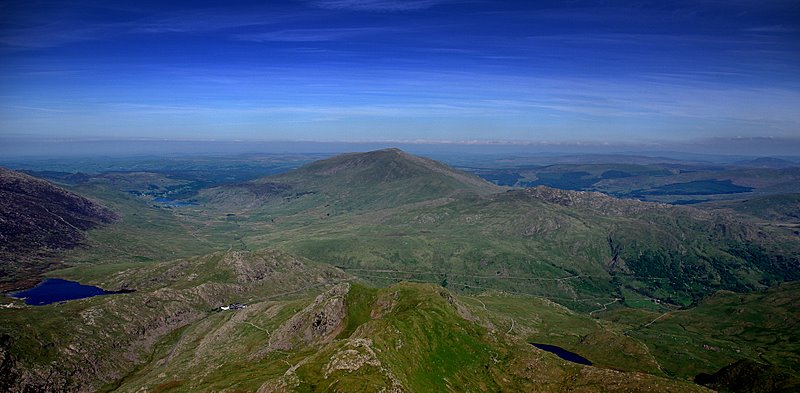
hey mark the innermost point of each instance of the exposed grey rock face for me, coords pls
(591, 200)
(319, 322)
(249, 267)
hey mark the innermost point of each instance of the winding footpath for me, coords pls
(604, 307)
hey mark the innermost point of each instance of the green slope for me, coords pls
(86, 342)
(406, 337)
(783, 208)
(387, 217)
(38, 220)
(721, 330)
(349, 183)
(575, 247)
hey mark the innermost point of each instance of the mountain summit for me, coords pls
(389, 167)
(360, 181)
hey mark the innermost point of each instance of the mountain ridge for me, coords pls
(38, 220)
(388, 211)
(465, 277)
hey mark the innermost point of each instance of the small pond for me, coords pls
(53, 290)
(563, 353)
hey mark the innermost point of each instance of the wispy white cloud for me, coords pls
(294, 95)
(38, 109)
(376, 5)
(771, 29)
(327, 112)
(212, 19)
(38, 32)
(310, 35)
(586, 70)
(52, 35)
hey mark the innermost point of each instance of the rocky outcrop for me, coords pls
(253, 267)
(460, 308)
(358, 353)
(597, 201)
(244, 196)
(318, 323)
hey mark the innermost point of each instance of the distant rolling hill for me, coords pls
(671, 182)
(39, 219)
(388, 216)
(768, 162)
(780, 208)
(352, 182)
(426, 279)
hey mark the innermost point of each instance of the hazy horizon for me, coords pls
(721, 150)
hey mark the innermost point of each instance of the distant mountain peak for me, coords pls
(391, 149)
(361, 181)
(390, 165)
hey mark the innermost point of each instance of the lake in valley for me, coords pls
(563, 353)
(53, 290)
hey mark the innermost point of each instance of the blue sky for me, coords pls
(415, 70)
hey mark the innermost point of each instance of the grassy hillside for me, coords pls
(389, 216)
(37, 221)
(349, 183)
(85, 342)
(406, 337)
(783, 208)
(483, 272)
(721, 330)
(576, 248)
